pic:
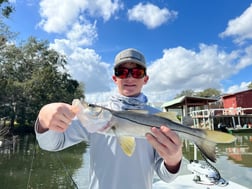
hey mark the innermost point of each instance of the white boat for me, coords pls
(187, 182)
(203, 176)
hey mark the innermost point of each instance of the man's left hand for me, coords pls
(169, 146)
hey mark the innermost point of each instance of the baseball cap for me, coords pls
(130, 55)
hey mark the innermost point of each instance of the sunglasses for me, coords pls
(136, 73)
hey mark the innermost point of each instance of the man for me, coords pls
(110, 168)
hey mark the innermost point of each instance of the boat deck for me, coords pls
(186, 181)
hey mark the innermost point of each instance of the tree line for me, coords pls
(208, 93)
(32, 75)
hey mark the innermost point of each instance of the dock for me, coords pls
(226, 119)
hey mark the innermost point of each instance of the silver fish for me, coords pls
(128, 125)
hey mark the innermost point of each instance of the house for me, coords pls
(239, 100)
(184, 103)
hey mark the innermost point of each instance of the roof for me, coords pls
(189, 101)
(233, 94)
(173, 102)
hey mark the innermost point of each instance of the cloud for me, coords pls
(150, 15)
(181, 69)
(178, 69)
(59, 16)
(245, 59)
(236, 88)
(240, 28)
(104, 8)
(74, 20)
(86, 66)
(82, 35)
(12, 1)
(188, 69)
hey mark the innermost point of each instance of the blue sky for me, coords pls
(188, 44)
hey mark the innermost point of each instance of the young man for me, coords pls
(110, 168)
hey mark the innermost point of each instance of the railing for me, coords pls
(220, 111)
(205, 118)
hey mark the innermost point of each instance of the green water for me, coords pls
(24, 165)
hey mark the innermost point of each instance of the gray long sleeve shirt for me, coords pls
(110, 168)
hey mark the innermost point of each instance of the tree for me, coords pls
(250, 85)
(210, 92)
(188, 92)
(33, 75)
(6, 8)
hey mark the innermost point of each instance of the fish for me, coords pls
(127, 125)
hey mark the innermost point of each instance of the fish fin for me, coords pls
(208, 149)
(127, 144)
(139, 111)
(219, 136)
(169, 115)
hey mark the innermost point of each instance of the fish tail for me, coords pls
(207, 148)
(208, 145)
(219, 137)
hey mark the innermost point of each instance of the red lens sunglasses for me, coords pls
(136, 73)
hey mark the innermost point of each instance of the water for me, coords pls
(24, 165)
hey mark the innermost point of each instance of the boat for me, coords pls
(187, 182)
(202, 176)
(238, 130)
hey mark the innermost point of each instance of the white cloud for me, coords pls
(104, 8)
(181, 69)
(81, 35)
(58, 16)
(240, 28)
(150, 15)
(178, 69)
(187, 69)
(246, 58)
(236, 88)
(86, 66)
(73, 19)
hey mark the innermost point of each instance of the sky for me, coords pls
(188, 44)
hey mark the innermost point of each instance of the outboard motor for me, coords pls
(205, 174)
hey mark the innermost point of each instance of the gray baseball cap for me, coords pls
(130, 55)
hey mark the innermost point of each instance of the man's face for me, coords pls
(130, 86)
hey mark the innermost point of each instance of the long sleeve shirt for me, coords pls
(110, 168)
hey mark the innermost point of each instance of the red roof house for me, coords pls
(242, 99)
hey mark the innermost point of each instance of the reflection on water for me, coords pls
(241, 150)
(234, 161)
(24, 165)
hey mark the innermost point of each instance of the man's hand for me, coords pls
(55, 116)
(167, 143)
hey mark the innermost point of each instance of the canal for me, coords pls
(23, 165)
